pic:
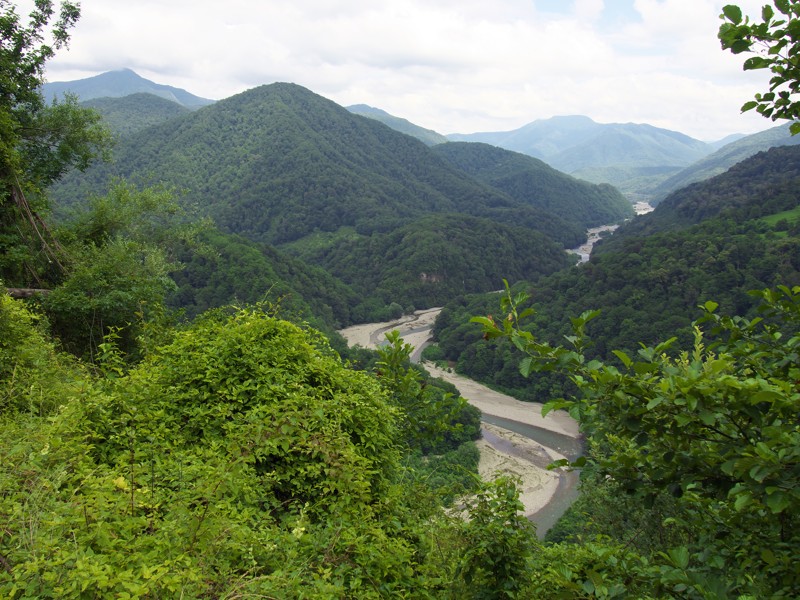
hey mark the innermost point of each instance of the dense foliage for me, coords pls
(201, 470)
(130, 114)
(775, 43)
(225, 268)
(534, 183)
(714, 240)
(714, 424)
(38, 142)
(435, 258)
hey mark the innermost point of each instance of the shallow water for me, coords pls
(571, 448)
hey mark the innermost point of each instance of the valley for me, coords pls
(524, 453)
(256, 346)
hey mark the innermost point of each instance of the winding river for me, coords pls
(516, 439)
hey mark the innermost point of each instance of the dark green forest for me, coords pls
(180, 419)
(714, 240)
(280, 165)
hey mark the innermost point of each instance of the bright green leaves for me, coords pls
(715, 424)
(242, 457)
(429, 417)
(732, 13)
(500, 543)
(776, 45)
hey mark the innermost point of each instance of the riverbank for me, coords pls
(503, 451)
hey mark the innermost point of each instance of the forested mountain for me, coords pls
(281, 165)
(724, 158)
(437, 257)
(534, 183)
(243, 454)
(129, 114)
(428, 136)
(714, 240)
(117, 84)
(227, 268)
(624, 154)
(764, 184)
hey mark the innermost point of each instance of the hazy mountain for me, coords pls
(428, 136)
(728, 139)
(116, 84)
(628, 155)
(281, 165)
(537, 184)
(724, 158)
(135, 112)
(764, 184)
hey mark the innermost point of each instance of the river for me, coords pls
(516, 439)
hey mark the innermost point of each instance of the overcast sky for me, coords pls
(455, 66)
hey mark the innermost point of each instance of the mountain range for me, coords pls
(394, 216)
(643, 161)
(627, 155)
(117, 84)
(281, 165)
(724, 158)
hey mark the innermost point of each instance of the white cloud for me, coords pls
(449, 65)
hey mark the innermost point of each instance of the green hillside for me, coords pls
(283, 166)
(227, 268)
(437, 257)
(278, 163)
(724, 158)
(135, 112)
(764, 184)
(536, 184)
(427, 136)
(715, 240)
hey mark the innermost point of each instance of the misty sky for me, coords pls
(448, 65)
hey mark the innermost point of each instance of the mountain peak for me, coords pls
(118, 84)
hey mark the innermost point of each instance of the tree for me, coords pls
(429, 418)
(775, 43)
(38, 142)
(715, 424)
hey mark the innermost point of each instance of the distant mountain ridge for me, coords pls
(427, 136)
(624, 154)
(117, 84)
(726, 157)
(129, 114)
(535, 183)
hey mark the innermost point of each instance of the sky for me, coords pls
(454, 66)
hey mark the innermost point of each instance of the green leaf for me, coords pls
(756, 62)
(654, 402)
(742, 501)
(759, 472)
(525, 366)
(623, 357)
(733, 13)
(679, 557)
(778, 502)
